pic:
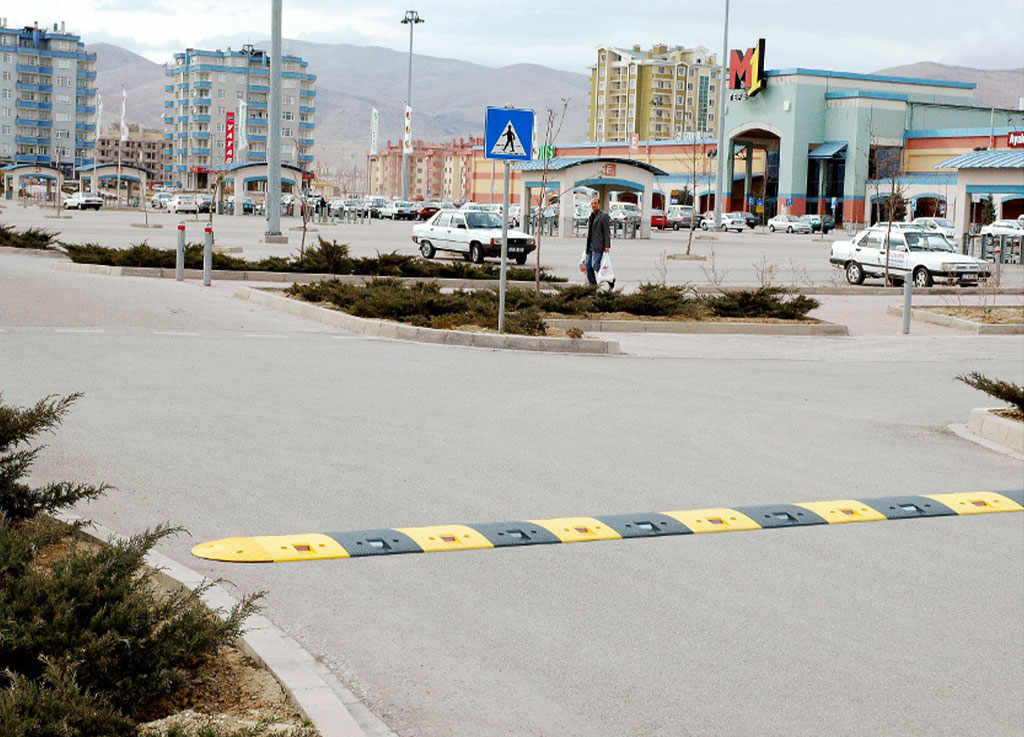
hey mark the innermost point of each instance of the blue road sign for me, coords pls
(508, 134)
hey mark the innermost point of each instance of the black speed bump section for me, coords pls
(450, 537)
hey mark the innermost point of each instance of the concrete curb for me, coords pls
(871, 291)
(961, 430)
(310, 686)
(389, 329)
(958, 323)
(697, 326)
(1008, 434)
(43, 253)
(286, 278)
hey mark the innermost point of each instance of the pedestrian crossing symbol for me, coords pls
(508, 134)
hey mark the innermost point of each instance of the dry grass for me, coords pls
(988, 315)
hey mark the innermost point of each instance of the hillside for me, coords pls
(996, 87)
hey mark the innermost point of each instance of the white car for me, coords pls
(926, 257)
(474, 234)
(624, 212)
(729, 222)
(790, 224)
(399, 210)
(943, 226)
(1002, 227)
(183, 203)
(160, 200)
(82, 201)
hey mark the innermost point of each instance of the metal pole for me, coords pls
(179, 262)
(207, 254)
(504, 255)
(408, 101)
(274, 138)
(908, 285)
(722, 148)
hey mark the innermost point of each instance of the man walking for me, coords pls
(599, 240)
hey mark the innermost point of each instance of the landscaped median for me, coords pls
(978, 319)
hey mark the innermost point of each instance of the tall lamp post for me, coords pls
(411, 18)
(722, 147)
(273, 234)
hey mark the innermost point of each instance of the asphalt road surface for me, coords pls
(208, 412)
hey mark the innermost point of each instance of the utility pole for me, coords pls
(274, 137)
(722, 147)
(411, 18)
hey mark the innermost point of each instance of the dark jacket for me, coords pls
(599, 232)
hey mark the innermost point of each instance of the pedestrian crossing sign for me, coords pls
(508, 134)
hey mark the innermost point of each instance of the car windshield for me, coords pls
(476, 219)
(943, 223)
(926, 242)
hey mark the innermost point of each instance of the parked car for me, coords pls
(682, 216)
(427, 210)
(814, 220)
(898, 225)
(658, 219)
(789, 223)
(749, 218)
(624, 212)
(937, 225)
(1002, 227)
(82, 201)
(728, 222)
(375, 205)
(515, 215)
(398, 210)
(248, 206)
(160, 200)
(926, 257)
(183, 203)
(204, 202)
(474, 234)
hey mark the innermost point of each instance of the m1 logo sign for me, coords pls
(229, 139)
(1015, 139)
(746, 69)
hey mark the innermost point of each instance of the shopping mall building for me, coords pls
(810, 140)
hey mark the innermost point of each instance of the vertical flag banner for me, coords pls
(533, 152)
(229, 138)
(407, 137)
(99, 118)
(124, 113)
(374, 131)
(241, 139)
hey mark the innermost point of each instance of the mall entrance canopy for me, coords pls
(998, 173)
(601, 174)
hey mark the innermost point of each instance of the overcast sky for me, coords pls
(826, 34)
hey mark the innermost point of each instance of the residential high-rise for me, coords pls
(144, 147)
(658, 94)
(204, 86)
(47, 97)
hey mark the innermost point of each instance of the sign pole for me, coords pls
(504, 254)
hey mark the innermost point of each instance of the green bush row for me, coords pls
(31, 238)
(426, 305)
(323, 257)
(87, 645)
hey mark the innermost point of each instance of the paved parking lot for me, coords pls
(730, 258)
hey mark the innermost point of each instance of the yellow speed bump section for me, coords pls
(271, 549)
(977, 502)
(715, 519)
(840, 511)
(578, 529)
(440, 538)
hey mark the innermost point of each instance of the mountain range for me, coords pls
(449, 96)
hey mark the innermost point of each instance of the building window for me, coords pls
(220, 94)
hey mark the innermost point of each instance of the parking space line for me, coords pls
(78, 331)
(264, 335)
(176, 333)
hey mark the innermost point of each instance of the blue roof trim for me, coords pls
(867, 94)
(827, 150)
(869, 77)
(958, 132)
(920, 177)
(998, 159)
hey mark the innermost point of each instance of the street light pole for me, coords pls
(722, 147)
(411, 18)
(274, 134)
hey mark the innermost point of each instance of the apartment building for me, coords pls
(145, 147)
(47, 97)
(658, 94)
(437, 170)
(204, 86)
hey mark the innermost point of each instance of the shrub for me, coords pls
(55, 705)
(19, 501)
(30, 238)
(761, 302)
(1001, 390)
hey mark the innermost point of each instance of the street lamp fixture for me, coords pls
(412, 18)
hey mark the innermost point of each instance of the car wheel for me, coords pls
(922, 277)
(771, 228)
(789, 229)
(427, 250)
(476, 253)
(703, 226)
(988, 239)
(675, 226)
(854, 273)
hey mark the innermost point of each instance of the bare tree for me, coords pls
(552, 127)
(889, 163)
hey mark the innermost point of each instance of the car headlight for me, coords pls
(530, 242)
(947, 267)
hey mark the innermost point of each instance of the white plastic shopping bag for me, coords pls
(583, 262)
(605, 275)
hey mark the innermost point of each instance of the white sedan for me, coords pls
(473, 234)
(729, 222)
(82, 201)
(1002, 227)
(790, 224)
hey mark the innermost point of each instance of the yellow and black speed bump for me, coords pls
(442, 538)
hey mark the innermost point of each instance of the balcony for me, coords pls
(36, 123)
(183, 85)
(307, 126)
(168, 103)
(201, 134)
(305, 157)
(31, 159)
(204, 84)
(257, 137)
(30, 87)
(83, 161)
(184, 102)
(85, 144)
(84, 127)
(86, 109)
(34, 70)
(201, 101)
(258, 105)
(34, 105)
(169, 88)
(307, 93)
(305, 141)
(259, 88)
(183, 134)
(87, 75)
(307, 109)
(85, 92)
(30, 140)
(200, 152)
(257, 121)
(201, 118)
